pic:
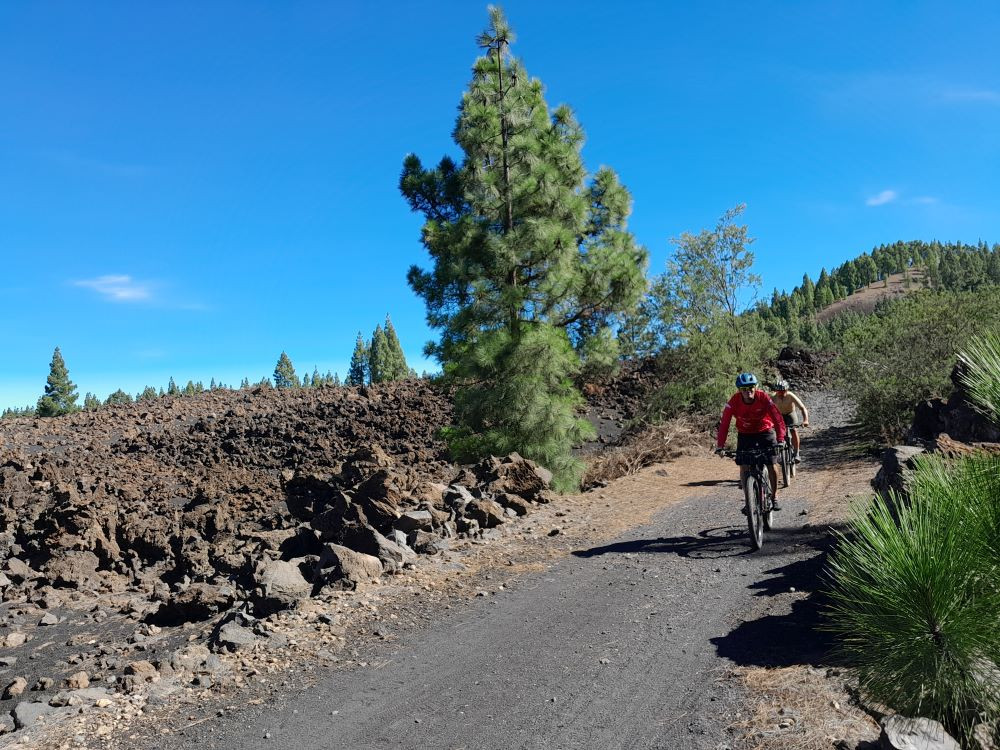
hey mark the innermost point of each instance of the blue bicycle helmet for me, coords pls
(744, 379)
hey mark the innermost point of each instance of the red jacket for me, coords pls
(759, 415)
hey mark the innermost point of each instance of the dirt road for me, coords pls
(621, 641)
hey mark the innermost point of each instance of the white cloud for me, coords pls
(924, 200)
(886, 196)
(117, 288)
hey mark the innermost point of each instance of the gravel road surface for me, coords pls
(622, 645)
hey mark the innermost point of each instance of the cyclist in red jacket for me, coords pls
(759, 425)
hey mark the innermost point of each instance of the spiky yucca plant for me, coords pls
(916, 594)
(982, 376)
(915, 582)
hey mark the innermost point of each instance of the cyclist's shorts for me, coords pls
(756, 447)
(794, 419)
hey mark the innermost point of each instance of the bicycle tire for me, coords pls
(767, 501)
(755, 523)
(786, 478)
(791, 463)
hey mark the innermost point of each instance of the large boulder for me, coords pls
(233, 633)
(486, 512)
(368, 541)
(279, 585)
(896, 462)
(380, 513)
(412, 520)
(27, 713)
(903, 733)
(197, 602)
(512, 474)
(383, 485)
(343, 567)
(363, 463)
(955, 416)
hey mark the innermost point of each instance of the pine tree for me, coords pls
(284, 373)
(333, 378)
(378, 357)
(118, 397)
(245, 383)
(148, 395)
(60, 392)
(532, 264)
(394, 365)
(317, 379)
(91, 402)
(172, 389)
(358, 369)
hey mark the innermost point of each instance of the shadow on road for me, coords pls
(796, 636)
(722, 541)
(836, 446)
(711, 483)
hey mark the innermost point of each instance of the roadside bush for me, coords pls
(916, 582)
(903, 353)
(916, 596)
(700, 375)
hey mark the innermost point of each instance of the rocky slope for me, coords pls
(215, 511)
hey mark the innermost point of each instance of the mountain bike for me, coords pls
(759, 496)
(786, 457)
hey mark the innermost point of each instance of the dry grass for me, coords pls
(797, 708)
(651, 445)
(866, 298)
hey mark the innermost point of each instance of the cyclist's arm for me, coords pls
(779, 421)
(727, 416)
(802, 407)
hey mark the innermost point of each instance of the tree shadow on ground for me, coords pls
(796, 636)
(711, 483)
(722, 541)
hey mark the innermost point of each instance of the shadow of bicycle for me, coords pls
(722, 541)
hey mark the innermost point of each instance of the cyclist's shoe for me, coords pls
(743, 509)
(774, 504)
(797, 458)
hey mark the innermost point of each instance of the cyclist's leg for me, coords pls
(744, 470)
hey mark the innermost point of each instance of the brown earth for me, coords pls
(866, 298)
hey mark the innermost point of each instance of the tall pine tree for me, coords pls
(284, 373)
(358, 368)
(531, 264)
(378, 357)
(394, 365)
(60, 393)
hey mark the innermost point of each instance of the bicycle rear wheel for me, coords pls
(755, 522)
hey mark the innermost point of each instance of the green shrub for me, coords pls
(904, 352)
(916, 594)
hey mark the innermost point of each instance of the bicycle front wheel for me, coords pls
(755, 521)
(786, 469)
(766, 503)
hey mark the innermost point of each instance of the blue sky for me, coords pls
(188, 189)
